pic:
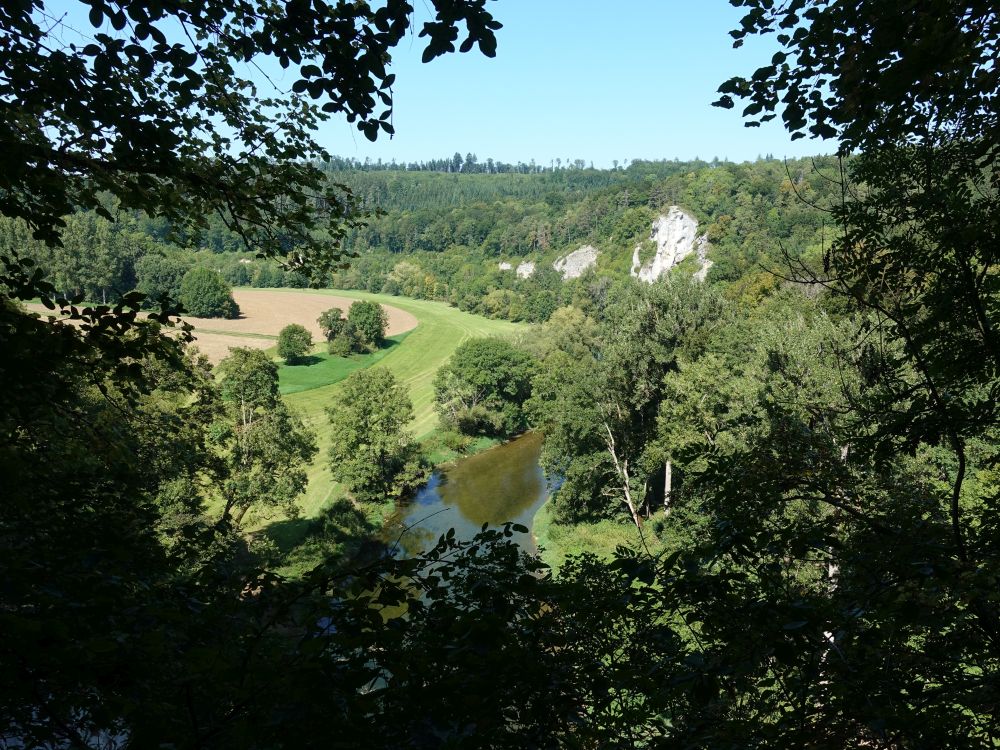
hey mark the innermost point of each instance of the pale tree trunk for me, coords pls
(239, 516)
(621, 466)
(833, 580)
(668, 472)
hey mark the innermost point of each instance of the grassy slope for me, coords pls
(601, 538)
(414, 362)
(325, 369)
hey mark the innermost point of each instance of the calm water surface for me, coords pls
(502, 484)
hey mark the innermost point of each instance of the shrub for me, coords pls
(205, 294)
(342, 346)
(294, 342)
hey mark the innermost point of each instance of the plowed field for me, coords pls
(264, 312)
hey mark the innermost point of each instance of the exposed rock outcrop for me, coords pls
(701, 247)
(675, 235)
(573, 265)
(526, 270)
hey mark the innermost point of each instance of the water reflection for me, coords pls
(502, 484)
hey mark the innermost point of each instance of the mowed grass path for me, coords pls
(414, 361)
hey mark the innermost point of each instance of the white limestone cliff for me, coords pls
(525, 270)
(675, 235)
(573, 265)
(701, 247)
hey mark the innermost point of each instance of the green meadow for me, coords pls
(322, 369)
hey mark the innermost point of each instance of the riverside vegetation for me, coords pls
(798, 453)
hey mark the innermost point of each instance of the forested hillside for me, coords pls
(443, 235)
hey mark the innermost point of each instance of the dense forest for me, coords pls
(797, 442)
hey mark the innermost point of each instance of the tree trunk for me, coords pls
(239, 516)
(633, 511)
(668, 472)
(621, 466)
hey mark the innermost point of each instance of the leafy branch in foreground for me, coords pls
(166, 109)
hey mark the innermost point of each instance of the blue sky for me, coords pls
(573, 79)
(579, 79)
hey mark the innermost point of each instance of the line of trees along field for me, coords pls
(811, 458)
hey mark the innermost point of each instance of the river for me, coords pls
(504, 483)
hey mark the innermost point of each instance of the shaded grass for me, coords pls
(338, 532)
(439, 451)
(559, 541)
(322, 368)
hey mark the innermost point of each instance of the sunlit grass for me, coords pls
(560, 541)
(321, 368)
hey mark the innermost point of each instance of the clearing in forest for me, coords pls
(267, 311)
(264, 312)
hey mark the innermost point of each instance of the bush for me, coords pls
(341, 346)
(455, 440)
(294, 342)
(205, 294)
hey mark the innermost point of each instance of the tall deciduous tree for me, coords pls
(369, 323)
(205, 294)
(599, 409)
(266, 446)
(372, 452)
(160, 276)
(484, 386)
(916, 257)
(339, 332)
(294, 343)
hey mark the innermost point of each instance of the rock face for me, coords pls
(526, 270)
(676, 237)
(701, 247)
(573, 265)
